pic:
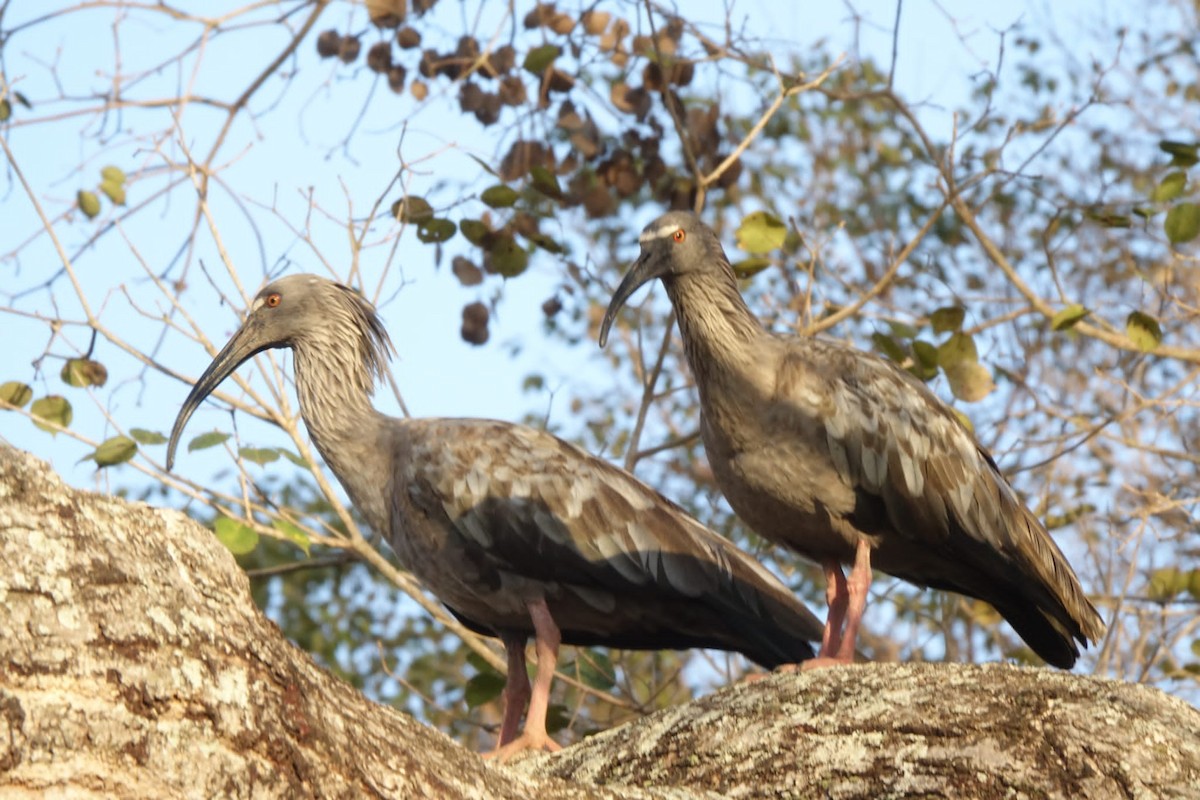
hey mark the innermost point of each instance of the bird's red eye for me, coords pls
(273, 299)
(679, 236)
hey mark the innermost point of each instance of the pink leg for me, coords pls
(857, 584)
(847, 599)
(516, 688)
(836, 598)
(546, 639)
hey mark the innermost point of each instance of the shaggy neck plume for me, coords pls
(349, 433)
(719, 330)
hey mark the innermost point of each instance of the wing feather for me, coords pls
(890, 437)
(535, 508)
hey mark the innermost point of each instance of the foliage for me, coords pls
(1031, 254)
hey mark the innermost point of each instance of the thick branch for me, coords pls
(134, 664)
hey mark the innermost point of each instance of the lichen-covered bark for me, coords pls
(907, 730)
(133, 663)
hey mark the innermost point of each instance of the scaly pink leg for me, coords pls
(546, 640)
(857, 584)
(516, 688)
(836, 599)
(847, 599)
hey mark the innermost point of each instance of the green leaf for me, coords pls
(545, 181)
(558, 717)
(88, 203)
(486, 167)
(926, 361)
(1166, 583)
(207, 440)
(259, 455)
(144, 436)
(111, 174)
(479, 662)
(889, 347)
(508, 258)
(436, 231)
(499, 196)
(295, 459)
(483, 688)
(1108, 219)
(1182, 223)
(84, 372)
(1182, 154)
(15, 393)
(749, 267)
(1143, 330)
(959, 348)
(539, 58)
(761, 232)
(293, 533)
(5, 110)
(1169, 187)
(1193, 583)
(474, 230)
(970, 381)
(545, 242)
(1067, 317)
(51, 409)
(596, 670)
(238, 537)
(412, 209)
(947, 319)
(902, 331)
(116, 450)
(115, 192)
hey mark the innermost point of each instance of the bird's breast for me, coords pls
(786, 493)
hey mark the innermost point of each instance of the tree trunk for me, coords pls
(133, 663)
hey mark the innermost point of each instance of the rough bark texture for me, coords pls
(133, 663)
(907, 730)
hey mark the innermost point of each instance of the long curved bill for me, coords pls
(244, 345)
(642, 272)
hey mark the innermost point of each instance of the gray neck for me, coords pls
(720, 333)
(352, 437)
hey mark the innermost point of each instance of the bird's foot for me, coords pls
(528, 740)
(821, 662)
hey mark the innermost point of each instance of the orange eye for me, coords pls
(273, 300)
(679, 236)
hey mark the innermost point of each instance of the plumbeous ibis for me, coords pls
(845, 457)
(518, 532)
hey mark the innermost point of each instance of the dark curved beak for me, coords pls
(644, 270)
(244, 345)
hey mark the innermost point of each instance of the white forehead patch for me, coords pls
(664, 232)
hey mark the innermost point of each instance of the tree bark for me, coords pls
(133, 663)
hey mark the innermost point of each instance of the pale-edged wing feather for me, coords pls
(945, 514)
(521, 503)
